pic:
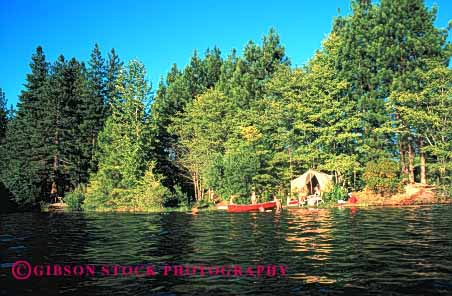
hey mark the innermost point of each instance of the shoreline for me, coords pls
(55, 209)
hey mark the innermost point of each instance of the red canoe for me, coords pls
(250, 208)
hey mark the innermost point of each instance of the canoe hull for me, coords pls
(252, 208)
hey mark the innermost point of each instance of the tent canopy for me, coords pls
(309, 180)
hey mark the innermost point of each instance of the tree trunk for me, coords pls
(200, 188)
(195, 186)
(56, 160)
(402, 151)
(410, 163)
(402, 157)
(199, 191)
(422, 156)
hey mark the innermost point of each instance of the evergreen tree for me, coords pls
(94, 110)
(75, 126)
(201, 132)
(67, 135)
(122, 143)
(413, 46)
(3, 115)
(47, 142)
(165, 105)
(114, 65)
(220, 162)
(245, 82)
(212, 66)
(357, 64)
(181, 88)
(384, 45)
(254, 117)
(424, 117)
(26, 170)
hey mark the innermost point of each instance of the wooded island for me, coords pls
(373, 107)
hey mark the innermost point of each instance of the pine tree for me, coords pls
(58, 95)
(245, 82)
(384, 46)
(113, 68)
(3, 115)
(181, 88)
(413, 46)
(368, 85)
(424, 117)
(94, 112)
(165, 105)
(123, 159)
(75, 145)
(26, 170)
(212, 66)
(201, 133)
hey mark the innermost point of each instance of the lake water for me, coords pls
(371, 251)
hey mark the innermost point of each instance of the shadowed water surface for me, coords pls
(390, 251)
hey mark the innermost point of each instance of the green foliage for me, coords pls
(382, 176)
(425, 114)
(150, 193)
(240, 165)
(113, 67)
(3, 115)
(94, 106)
(378, 88)
(220, 145)
(337, 193)
(242, 200)
(179, 89)
(201, 132)
(50, 141)
(123, 180)
(445, 191)
(26, 154)
(97, 196)
(178, 198)
(202, 204)
(74, 199)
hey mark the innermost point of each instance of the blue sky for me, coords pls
(159, 33)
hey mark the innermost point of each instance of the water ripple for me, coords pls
(397, 251)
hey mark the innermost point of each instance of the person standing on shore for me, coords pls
(278, 203)
(253, 198)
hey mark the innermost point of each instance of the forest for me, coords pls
(376, 98)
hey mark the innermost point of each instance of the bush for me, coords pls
(96, 196)
(382, 176)
(74, 199)
(147, 194)
(150, 194)
(242, 200)
(183, 199)
(445, 191)
(336, 193)
(203, 203)
(177, 199)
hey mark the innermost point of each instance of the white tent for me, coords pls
(309, 180)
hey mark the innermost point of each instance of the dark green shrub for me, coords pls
(382, 176)
(203, 203)
(183, 200)
(177, 199)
